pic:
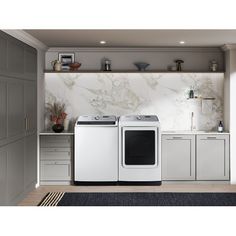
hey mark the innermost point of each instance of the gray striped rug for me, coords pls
(138, 199)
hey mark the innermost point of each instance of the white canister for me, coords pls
(66, 124)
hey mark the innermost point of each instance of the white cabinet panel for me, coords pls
(178, 157)
(212, 157)
(56, 159)
(55, 170)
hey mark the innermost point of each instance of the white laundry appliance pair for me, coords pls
(123, 150)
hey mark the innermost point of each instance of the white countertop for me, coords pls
(51, 132)
(193, 132)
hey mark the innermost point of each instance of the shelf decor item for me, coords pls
(75, 66)
(179, 64)
(56, 65)
(141, 65)
(66, 59)
(57, 115)
(213, 65)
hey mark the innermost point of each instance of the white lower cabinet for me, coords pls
(212, 157)
(55, 170)
(56, 159)
(195, 157)
(178, 157)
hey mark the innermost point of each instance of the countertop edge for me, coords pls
(53, 133)
(162, 132)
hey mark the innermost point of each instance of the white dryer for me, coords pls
(96, 149)
(139, 149)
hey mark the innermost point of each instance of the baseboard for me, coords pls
(152, 183)
(95, 183)
(56, 183)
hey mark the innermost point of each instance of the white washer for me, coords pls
(96, 149)
(139, 149)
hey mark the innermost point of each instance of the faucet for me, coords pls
(192, 115)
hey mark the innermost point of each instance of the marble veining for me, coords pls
(163, 94)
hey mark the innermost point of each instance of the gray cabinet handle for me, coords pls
(177, 137)
(210, 137)
(26, 123)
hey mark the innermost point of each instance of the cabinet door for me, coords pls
(55, 171)
(178, 157)
(212, 157)
(30, 160)
(15, 170)
(3, 53)
(15, 57)
(15, 97)
(3, 175)
(3, 110)
(30, 63)
(30, 105)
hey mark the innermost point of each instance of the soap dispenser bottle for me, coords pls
(220, 127)
(191, 92)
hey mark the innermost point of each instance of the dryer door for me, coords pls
(140, 147)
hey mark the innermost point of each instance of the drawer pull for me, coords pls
(211, 137)
(177, 137)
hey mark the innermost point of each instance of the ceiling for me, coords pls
(134, 38)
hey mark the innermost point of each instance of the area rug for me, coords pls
(138, 199)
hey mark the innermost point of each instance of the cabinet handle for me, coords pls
(26, 123)
(177, 137)
(211, 137)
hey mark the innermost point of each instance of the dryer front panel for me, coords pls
(139, 147)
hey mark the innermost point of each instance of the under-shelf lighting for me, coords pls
(181, 42)
(103, 42)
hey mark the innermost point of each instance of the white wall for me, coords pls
(41, 89)
(232, 71)
(161, 94)
(227, 91)
(196, 59)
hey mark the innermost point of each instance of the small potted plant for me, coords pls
(57, 115)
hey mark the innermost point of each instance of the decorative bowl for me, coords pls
(141, 65)
(75, 66)
(58, 128)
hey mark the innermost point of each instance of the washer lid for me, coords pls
(139, 118)
(96, 120)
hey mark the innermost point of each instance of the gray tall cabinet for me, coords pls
(18, 119)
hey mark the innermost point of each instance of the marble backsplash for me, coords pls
(162, 94)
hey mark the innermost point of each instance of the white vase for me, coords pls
(66, 124)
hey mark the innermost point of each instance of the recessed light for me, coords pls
(181, 42)
(103, 42)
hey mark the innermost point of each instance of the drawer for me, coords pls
(55, 170)
(55, 153)
(56, 141)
